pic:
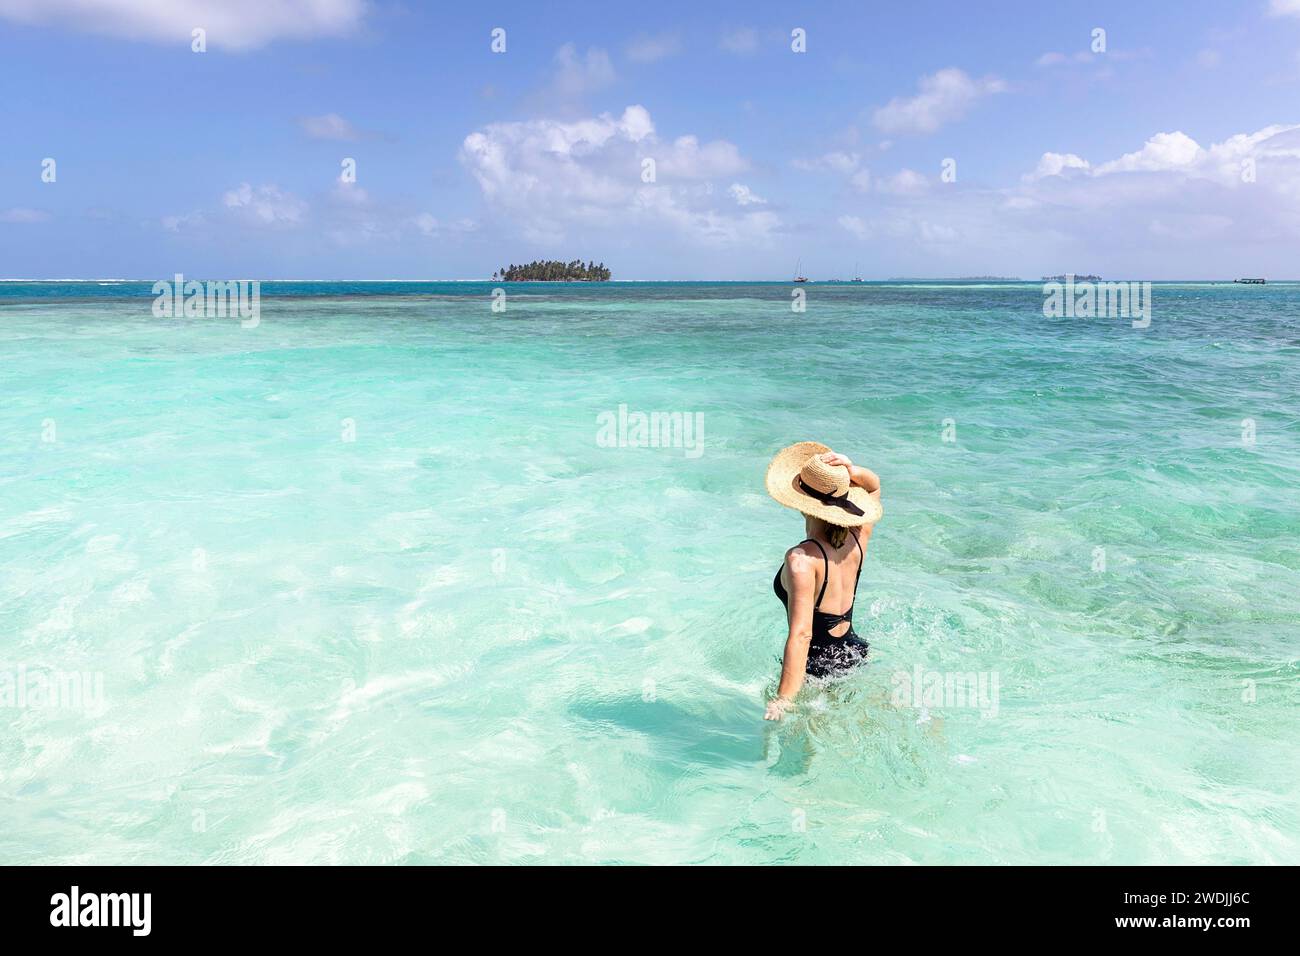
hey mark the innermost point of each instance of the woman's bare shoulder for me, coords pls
(799, 573)
(803, 553)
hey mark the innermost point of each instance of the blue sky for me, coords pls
(1173, 153)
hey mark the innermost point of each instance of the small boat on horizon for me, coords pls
(856, 276)
(1249, 281)
(798, 269)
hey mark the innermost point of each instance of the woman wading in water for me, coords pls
(840, 502)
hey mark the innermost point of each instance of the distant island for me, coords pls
(552, 270)
(1070, 275)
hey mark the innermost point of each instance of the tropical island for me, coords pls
(552, 270)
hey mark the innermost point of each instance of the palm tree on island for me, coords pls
(552, 270)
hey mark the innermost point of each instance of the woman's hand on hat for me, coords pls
(862, 477)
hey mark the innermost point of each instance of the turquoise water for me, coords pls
(473, 634)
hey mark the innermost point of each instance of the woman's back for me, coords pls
(841, 571)
(836, 572)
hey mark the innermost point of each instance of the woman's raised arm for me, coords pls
(862, 477)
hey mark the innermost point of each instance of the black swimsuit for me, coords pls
(828, 654)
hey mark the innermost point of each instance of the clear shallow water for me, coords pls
(475, 635)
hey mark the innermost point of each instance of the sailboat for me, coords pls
(797, 270)
(856, 277)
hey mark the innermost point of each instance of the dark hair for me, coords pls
(836, 534)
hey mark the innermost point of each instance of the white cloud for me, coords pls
(856, 226)
(328, 126)
(1178, 154)
(743, 40)
(836, 161)
(578, 75)
(1164, 151)
(1209, 59)
(688, 159)
(265, 205)
(22, 215)
(1020, 204)
(1056, 164)
(351, 217)
(937, 232)
(895, 225)
(1099, 62)
(905, 182)
(649, 49)
(548, 160)
(1169, 208)
(357, 220)
(548, 176)
(943, 96)
(230, 24)
(345, 215)
(183, 223)
(430, 225)
(636, 123)
(842, 163)
(1234, 204)
(349, 193)
(744, 196)
(1284, 8)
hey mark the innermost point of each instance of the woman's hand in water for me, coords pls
(776, 708)
(834, 458)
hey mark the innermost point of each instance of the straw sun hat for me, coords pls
(798, 478)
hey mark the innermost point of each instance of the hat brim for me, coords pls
(783, 485)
